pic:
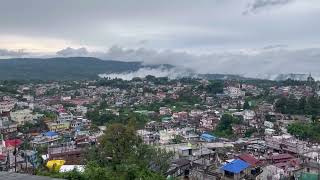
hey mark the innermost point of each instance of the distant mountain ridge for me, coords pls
(81, 68)
(59, 68)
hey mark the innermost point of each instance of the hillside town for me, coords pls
(212, 129)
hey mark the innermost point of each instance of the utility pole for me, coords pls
(25, 156)
(318, 163)
(15, 155)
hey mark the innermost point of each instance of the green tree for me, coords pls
(124, 153)
(215, 87)
(224, 127)
(121, 155)
(281, 105)
(246, 105)
(302, 105)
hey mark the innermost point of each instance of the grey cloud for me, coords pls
(182, 26)
(13, 53)
(72, 52)
(276, 46)
(258, 5)
(262, 63)
(165, 24)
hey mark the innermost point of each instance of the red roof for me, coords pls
(12, 143)
(61, 110)
(2, 156)
(281, 156)
(291, 163)
(249, 159)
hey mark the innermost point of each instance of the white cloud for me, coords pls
(172, 73)
(72, 52)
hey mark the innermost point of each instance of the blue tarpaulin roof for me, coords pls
(50, 133)
(207, 136)
(236, 166)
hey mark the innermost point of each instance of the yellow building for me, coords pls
(59, 126)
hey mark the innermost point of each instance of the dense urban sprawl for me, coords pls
(158, 128)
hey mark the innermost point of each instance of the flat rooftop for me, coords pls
(17, 176)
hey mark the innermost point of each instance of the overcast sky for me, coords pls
(217, 36)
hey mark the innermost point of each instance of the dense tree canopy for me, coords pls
(121, 154)
(305, 131)
(224, 127)
(305, 105)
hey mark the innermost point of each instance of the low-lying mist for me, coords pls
(171, 73)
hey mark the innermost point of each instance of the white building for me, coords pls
(65, 98)
(196, 113)
(268, 124)
(148, 137)
(80, 122)
(248, 114)
(63, 117)
(22, 116)
(7, 126)
(208, 123)
(164, 111)
(28, 98)
(82, 109)
(269, 132)
(233, 92)
(271, 172)
(167, 135)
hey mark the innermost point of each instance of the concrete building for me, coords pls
(233, 92)
(6, 106)
(22, 116)
(64, 117)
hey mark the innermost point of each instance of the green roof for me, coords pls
(308, 176)
(166, 119)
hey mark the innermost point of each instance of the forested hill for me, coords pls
(73, 68)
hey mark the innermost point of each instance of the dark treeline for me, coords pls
(214, 87)
(305, 131)
(305, 105)
(264, 83)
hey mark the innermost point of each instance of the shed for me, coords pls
(50, 134)
(12, 143)
(207, 137)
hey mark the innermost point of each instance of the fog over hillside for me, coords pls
(171, 73)
(266, 63)
(273, 62)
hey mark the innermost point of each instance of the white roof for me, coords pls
(67, 168)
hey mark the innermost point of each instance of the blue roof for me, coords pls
(236, 166)
(50, 133)
(209, 136)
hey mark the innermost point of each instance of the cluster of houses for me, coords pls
(26, 129)
(50, 119)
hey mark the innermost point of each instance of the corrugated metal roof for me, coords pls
(50, 133)
(308, 176)
(249, 159)
(236, 166)
(207, 135)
